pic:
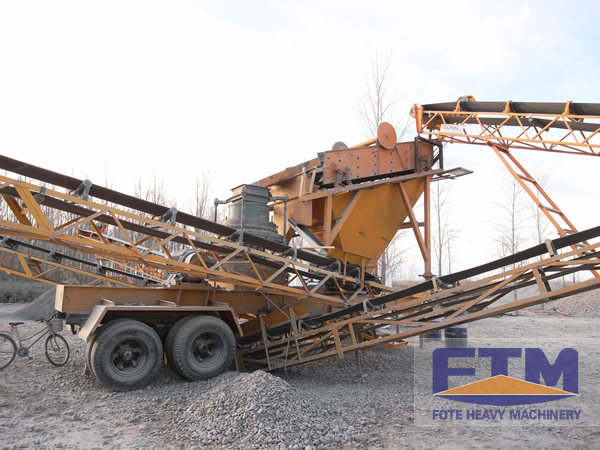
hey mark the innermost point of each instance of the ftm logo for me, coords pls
(499, 389)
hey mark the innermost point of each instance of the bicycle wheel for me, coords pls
(8, 350)
(57, 350)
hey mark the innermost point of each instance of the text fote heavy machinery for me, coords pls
(143, 283)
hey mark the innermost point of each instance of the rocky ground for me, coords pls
(324, 404)
(586, 304)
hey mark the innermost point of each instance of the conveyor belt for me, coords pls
(510, 114)
(418, 307)
(425, 307)
(456, 278)
(62, 257)
(571, 128)
(30, 203)
(592, 109)
(128, 201)
(514, 122)
(137, 228)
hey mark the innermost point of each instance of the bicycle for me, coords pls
(57, 349)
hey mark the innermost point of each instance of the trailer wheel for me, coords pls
(170, 343)
(126, 355)
(88, 354)
(92, 341)
(200, 347)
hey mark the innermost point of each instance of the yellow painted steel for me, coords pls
(373, 222)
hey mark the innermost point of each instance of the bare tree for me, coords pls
(541, 224)
(444, 234)
(542, 228)
(154, 192)
(376, 106)
(450, 250)
(390, 260)
(202, 205)
(377, 100)
(513, 220)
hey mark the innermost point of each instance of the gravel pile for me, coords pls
(242, 410)
(586, 304)
(323, 404)
(41, 308)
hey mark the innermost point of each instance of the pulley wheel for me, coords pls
(386, 135)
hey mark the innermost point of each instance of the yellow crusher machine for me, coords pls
(144, 283)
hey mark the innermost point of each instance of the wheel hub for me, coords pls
(128, 357)
(205, 347)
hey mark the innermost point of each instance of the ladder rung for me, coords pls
(568, 231)
(523, 177)
(552, 210)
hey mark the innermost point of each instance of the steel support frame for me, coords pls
(229, 253)
(515, 130)
(427, 312)
(535, 191)
(332, 225)
(423, 239)
(54, 273)
(505, 136)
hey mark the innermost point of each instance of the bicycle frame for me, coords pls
(21, 341)
(56, 347)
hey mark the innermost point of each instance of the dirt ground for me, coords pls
(334, 404)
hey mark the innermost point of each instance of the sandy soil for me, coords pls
(46, 407)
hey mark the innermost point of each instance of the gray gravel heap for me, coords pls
(585, 304)
(371, 406)
(260, 410)
(41, 308)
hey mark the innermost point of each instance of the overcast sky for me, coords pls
(135, 89)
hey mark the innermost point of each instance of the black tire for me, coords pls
(92, 341)
(126, 355)
(8, 350)
(200, 347)
(57, 350)
(170, 341)
(88, 353)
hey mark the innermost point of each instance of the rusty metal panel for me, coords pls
(82, 299)
(374, 161)
(288, 173)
